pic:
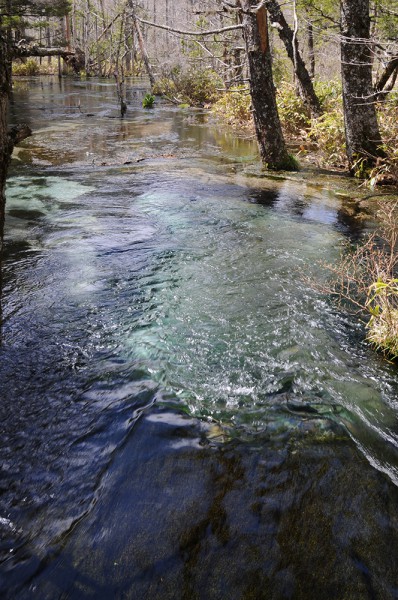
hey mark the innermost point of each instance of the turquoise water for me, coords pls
(144, 268)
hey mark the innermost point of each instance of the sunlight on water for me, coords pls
(167, 278)
(224, 319)
(25, 192)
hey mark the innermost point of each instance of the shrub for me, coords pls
(28, 68)
(294, 116)
(327, 132)
(365, 281)
(148, 101)
(386, 171)
(193, 86)
(383, 324)
(281, 66)
(234, 107)
(329, 94)
(164, 86)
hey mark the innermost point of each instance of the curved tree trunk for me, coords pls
(311, 50)
(363, 139)
(306, 88)
(141, 43)
(266, 119)
(390, 73)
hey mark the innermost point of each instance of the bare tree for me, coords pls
(363, 139)
(289, 39)
(265, 113)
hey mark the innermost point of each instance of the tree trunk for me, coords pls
(5, 89)
(48, 36)
(67, 32)
(141, 44)
(266, 119)
(120, 89)
(167, 21)
(305, 85)
(8, 139)
(363, 138)
(311, 50)
(24, 51)
(128, 46)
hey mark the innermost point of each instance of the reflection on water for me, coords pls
(78, 121)
(174, 396)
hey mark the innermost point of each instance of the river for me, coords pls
(182, 414)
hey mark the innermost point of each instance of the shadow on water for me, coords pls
(233, 521)
(181, 416)
(349, 219)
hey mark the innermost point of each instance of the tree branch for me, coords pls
(389, 70)
(108, 27)
(191, 33)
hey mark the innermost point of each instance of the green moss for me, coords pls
(289, 164)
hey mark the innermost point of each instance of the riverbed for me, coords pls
(183, 415)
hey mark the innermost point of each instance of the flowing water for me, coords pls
(182, 415)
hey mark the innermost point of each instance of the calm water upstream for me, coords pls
(181, 415)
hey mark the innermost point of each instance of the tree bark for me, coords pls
(311, 50)
(5, 89)
(8, 138)
(305, 85)
(266, 119)
(363, 139)
(120, 85)
(23, 51)
(381, 84)
(141, 43)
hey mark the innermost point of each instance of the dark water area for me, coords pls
(182, 415)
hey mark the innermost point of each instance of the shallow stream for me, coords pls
(182, 415)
